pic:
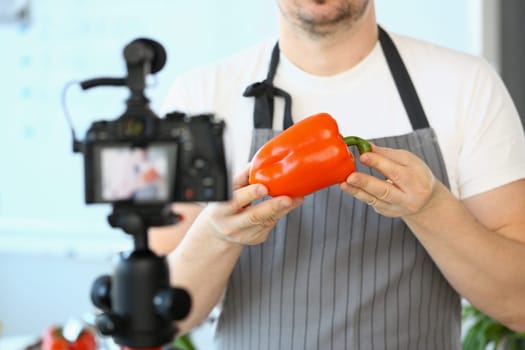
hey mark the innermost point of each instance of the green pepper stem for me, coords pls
(362, 145)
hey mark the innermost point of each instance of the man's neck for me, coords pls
(331, 54)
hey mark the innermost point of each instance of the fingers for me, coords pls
(395, 165)
(381, 190)
(241, 179)
(364, 196)
(267, 213)
(238, 222)
(400, 156)
(242, 197)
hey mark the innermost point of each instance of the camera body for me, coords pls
(141, 159)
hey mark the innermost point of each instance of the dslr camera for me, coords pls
(141, 159)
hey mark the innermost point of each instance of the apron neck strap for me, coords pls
(404, 84)
(264, 93)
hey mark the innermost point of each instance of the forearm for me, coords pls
(482, 265)
(163, 240)
(202, 264)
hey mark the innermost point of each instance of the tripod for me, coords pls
(138, 304)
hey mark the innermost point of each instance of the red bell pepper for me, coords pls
(306, 157)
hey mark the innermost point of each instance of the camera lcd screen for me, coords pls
(143, 175)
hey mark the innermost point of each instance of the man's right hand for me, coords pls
(242, 221)
(215, 241)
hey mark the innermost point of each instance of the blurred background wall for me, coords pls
(52, 246)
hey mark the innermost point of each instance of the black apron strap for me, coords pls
(404, 84)
(264, 93)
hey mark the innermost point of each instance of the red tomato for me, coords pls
(53, 339)
(85, 341)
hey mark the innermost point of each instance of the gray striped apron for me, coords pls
(334, 274)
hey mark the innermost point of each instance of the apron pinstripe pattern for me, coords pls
(334, 274)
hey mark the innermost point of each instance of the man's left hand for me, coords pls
(408, 188)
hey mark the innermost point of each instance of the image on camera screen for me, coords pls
(138, 174)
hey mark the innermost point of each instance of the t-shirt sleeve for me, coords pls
(493, 148)
(175, 99)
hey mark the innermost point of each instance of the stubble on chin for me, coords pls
(344, 16)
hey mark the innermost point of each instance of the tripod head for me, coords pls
(138, 304)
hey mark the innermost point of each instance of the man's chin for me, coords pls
(323, 13)
(323, 23)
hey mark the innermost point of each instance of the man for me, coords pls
(371, 263)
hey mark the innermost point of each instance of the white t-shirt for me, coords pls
(476, 123)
